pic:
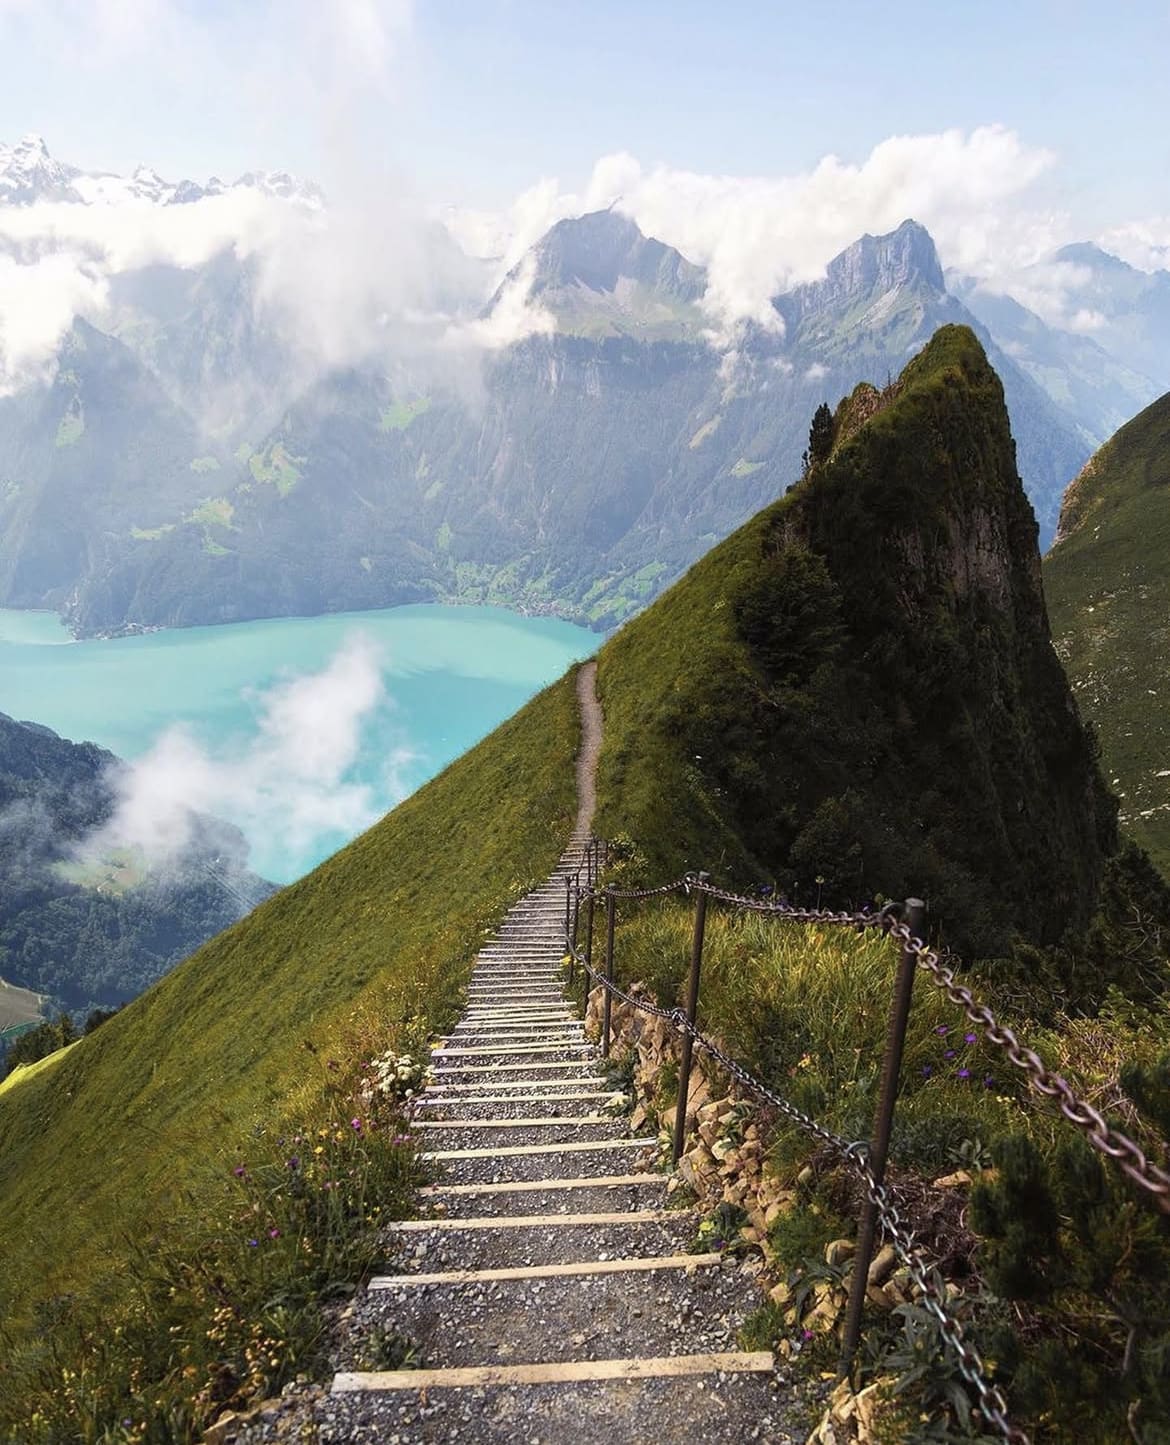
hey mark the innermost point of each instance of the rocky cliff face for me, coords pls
(874, 265)
(889, 712)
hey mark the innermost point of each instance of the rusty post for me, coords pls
(684, 1067)
(914, 917)
(588, 940)
(610, 912)
(573, 930)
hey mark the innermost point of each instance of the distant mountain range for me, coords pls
(180, 468)
(28, 173)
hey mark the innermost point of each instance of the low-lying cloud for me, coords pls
(759, 235)
(295, 778)
(371, 277)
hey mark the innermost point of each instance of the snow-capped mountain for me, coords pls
(29, 173)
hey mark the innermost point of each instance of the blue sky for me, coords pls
(472, 102)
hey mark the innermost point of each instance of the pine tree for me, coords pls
(820, 435)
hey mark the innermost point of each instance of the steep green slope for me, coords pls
(376, 943)
(858, 687)
(1108, 591)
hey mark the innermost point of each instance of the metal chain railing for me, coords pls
(1109, 1141)
(1104, 1137)
(990, 1402)
(868, 1163)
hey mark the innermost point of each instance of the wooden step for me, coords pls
(492, 1051)
(564, 1372)
(444, 1090)
(537, 1221)
(534, 1186)
(515, 1151)
(513, 1068)
(428, 1101)
(554, 1122)
(548, 1271)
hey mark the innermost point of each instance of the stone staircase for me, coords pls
(549, 1294)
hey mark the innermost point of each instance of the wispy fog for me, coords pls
(291, 778)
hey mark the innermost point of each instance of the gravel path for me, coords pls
(599, 1313)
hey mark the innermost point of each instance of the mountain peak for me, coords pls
(882, 263)
(29, 173)
(1088, 253)
(602, 248)
(875, 267)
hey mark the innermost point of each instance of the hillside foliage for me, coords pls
(1109, 594)
(80, 941)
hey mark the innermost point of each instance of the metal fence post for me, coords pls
(576, 893)
(913, 916)
(588, 939)
(610, 912)
(684, 1067)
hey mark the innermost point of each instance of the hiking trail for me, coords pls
(550, 1296)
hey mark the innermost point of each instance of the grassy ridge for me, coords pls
(369, 951)
(1108, 593)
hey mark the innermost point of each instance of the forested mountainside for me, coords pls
(579, 471)
(1108, 589)
(93, 929)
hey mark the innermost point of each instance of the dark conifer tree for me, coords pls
(820, 435)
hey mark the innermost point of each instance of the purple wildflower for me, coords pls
(964, 1073)
(294, 1162)
(240, 1170)
(927, 1071)
(970, 1038)
(252, 1243)
(943, 1029)
(355, 1124)
(274, 1233)
(950, 1054)
(989, 1082)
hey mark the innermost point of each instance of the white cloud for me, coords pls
(293, 777)
(511, 318)
(1144, 244)
(56, 261)
(38, 302)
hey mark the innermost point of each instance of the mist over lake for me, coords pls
(302, 731)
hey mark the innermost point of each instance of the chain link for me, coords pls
(990, 1402)
(689, 883)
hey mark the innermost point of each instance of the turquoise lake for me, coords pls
(302, 731)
